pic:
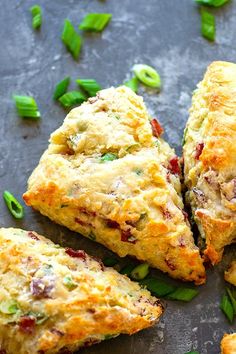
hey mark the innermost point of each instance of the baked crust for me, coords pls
(133, 204)
(210, 158)
(228, 344)
(230, 274)
(54, 298)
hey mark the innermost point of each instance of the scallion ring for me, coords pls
(13, 205)
(147, 75)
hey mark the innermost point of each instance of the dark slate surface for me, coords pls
(164, 34)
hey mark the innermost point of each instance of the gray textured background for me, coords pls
(165, 34)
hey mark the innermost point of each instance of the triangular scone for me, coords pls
(106, 176)
(230, 274)
(228, 344)
(210, 158)
(57, 300)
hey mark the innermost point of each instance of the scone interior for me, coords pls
(56, 299)
(228, 344)
(108, 177)
(230, 274)
(210, 158)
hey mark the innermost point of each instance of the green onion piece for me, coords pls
(158, 287)
(127, 269)
(110, 261)
(69, 283)
(183, 294)
(232, 299)
(26, 107)
(184, 136)
(13, 205)
(227, 307)
(214, 3)
(140, 272)
(61, 88)
(40, 317)
(147, 75)
(71, 98)
(95, 22)
(132, 84)
(208, 25)
(192, 352)
(36, 13)
(71, 39)
(89, 85)
(9, 307)
(108, 157)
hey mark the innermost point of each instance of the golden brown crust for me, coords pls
(228, 344)
(210, 158)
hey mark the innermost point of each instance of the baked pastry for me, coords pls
(108, 175)
(230, 274)
(210, 158)
(228, 344)
(58, 300)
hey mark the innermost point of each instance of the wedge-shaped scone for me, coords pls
(54, 299)
(230, 274)
(210, 158)
(106, 176)
(228, 344)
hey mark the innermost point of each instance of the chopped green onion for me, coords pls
(90, 86)
(192, 352)
(71, 39)
(140, 272)
(127, 269)
(110, 261)
(214, 3)
(108, 157)
(227, 307)
(132, 84)
(40, 317)
(13, 205)
(9, 307)
(95, 22)
(69, 283)
(232, 299)
(208, 25)
(71, 98)
(183, 294)
(147, 75)
(26, 107)
(184, 136)
(61, 88)
(36, 13)
(158, 287)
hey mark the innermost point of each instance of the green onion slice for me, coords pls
(110, 261)
(108, 157)
(40, 317)
(183, 294)
(227, 307)
(132, 84)
(147, 75)
(71, 98)
(232, 299)
(89, 85)
(95, 22)
(26, 107)
(214, 3)
(192, 352)
(71, 39)
(13, 205)
(208, 25)
(158, 287)
(69, 283)
(9, 307)
(127, 269)
(36, 13)
(61, 88)
(140, 272)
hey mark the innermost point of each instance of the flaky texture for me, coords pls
(54, 299)
(228, 344)
(132, 204)
(210, 158)
(230, 274)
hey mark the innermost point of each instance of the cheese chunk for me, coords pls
(228, 344)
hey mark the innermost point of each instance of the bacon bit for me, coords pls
(113, 224)
(57, 332)
(97, 259)
(170, 265)
(185, 214)
(126, 236)
(173, 166)
(76, 253)
(27, 324)
(182, 241)
(200, 195)
(157, 129)
(166, 213)
(81, 222)
(3, 351)
(168, 176)
(39, 289)
(32, 235)
(198, 150)
(89, 342)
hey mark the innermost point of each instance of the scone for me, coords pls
(58, 300)
(230, 274)
(228, 344)
(210, 158)
(108, 175)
